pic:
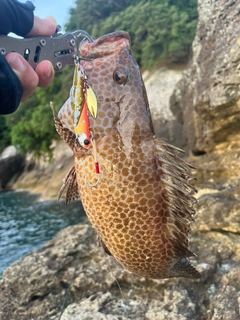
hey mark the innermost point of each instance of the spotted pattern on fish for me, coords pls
(142, 206)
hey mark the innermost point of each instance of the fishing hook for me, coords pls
(94, 184)
(96, 163)
(77, 59)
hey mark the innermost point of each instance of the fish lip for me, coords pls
(90, 49)
(111, 37)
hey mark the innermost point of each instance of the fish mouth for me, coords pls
(104, 45)
(111, 37)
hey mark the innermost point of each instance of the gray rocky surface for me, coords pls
(44, 177)
(207, 99)
(159, 86)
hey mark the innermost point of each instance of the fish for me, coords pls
(141, 199)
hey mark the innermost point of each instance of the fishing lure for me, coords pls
(83, 102)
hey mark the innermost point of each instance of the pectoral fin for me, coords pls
(70, 182)
(67, 135)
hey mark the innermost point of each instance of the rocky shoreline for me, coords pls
(206, 102)
(35, 286)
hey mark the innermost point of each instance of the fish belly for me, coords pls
(128, 208)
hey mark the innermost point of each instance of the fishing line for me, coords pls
(124, 300)
(96, 164)
(70, 286)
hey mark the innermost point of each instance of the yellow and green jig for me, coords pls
(83, 102)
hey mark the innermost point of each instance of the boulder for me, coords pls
(159, 86)
(44, 176)
(11, 167)
(206, 101)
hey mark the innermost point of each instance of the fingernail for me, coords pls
(16, 63)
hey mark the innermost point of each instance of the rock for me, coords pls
(11, 166)
(222, 307)
(222, 165)
(89, 308)
(206, 101)
(182, 308)
(40, 279)
(10, 151)
(225, 208)
(159, 86)
(42, 176)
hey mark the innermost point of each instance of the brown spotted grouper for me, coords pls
(140, 204)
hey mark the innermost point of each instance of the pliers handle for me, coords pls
(60, 49)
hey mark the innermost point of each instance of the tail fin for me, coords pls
(183, 268)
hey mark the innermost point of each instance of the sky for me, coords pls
(58, 9)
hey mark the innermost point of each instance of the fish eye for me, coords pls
(121, 76)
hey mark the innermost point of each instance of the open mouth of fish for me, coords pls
(104, 45)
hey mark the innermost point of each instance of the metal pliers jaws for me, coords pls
(60, 49)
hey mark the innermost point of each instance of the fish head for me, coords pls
(115, 77)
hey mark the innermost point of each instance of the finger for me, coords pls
(45, 73)
(43, 27)
(25, 73)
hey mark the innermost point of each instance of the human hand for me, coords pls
(44, 73)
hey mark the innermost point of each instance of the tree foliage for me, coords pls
(159, 30)
(31, 126)
(5, 138)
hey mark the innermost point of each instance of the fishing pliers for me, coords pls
(60, 49)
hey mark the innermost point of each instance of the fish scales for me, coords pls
(141, 206)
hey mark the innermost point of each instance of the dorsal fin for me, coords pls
(184, 269)
(176, 178)
(70, 182)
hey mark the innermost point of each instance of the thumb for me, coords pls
(43, 27)
(24, 72)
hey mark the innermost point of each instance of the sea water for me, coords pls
(27, 223)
